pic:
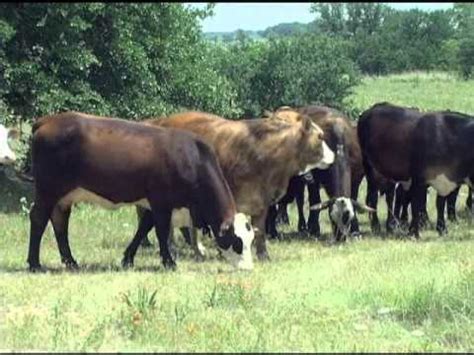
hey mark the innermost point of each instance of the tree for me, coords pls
(464, 24)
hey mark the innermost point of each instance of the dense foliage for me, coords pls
(385, 40)
(140, 60)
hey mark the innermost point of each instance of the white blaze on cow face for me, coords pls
(242, 230)
(442, 185)
(326, 160)
(6, 154)
(342, 213)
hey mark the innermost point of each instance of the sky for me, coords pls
(229, 17)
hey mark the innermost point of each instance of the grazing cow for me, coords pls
(395, 142)
(7, 156)
(111, 162)
(258, 158)
(341, 180)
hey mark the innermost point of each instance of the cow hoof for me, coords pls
(199, 258)
(315, 232)
(127, 263)
(302, 229)
(442, 230)
(36, 269)
(169, 265)
(71, 265)
(275, 235)
(356, 235)
(263, 256)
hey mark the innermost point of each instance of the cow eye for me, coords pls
(247, 225)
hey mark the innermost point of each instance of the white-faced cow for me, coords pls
(258, 158)
(7, 156)
(108, 161)
(341, 180)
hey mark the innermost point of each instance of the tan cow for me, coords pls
(258, 158)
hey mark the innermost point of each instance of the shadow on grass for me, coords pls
(428, 234)
(94, 268)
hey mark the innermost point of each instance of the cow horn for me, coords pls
(362, 207)
(322, 206)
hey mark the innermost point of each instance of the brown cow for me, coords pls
(78, 157)
(258, 158)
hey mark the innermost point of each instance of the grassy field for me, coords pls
(427, 91)
(377, 294)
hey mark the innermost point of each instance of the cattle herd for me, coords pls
(234, 179)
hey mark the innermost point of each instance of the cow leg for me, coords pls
(299, 195)
(186, 233)
(60, 221)
(270, 222)
(260, 242)
(372, 196)
(440, 223)
(355, 231)
(451, 204)
(39, 216)
(145, 242)
(336, 233)
(417, 191)
(196, 245)
(397, 210)
(405, 202)
(469, 201)
(313, 220)
(282, 215)
(371, 201)
(391, 221)
(162, 221)
(145, 224)
(424, 219)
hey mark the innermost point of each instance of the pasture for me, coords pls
(377, 294)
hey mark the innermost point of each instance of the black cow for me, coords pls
(405, 146)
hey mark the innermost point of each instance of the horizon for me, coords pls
(229, 17)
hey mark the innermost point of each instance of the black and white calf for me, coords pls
(341, 213)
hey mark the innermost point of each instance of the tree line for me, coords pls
(141, 60)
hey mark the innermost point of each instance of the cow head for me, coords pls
(235, 241)
(6, 154)
(341, 212)
(315, 152)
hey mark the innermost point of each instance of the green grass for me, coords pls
(377, 294)
(428, 91)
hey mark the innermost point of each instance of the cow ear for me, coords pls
(268, 114)
(13, 133)
(305, 122)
